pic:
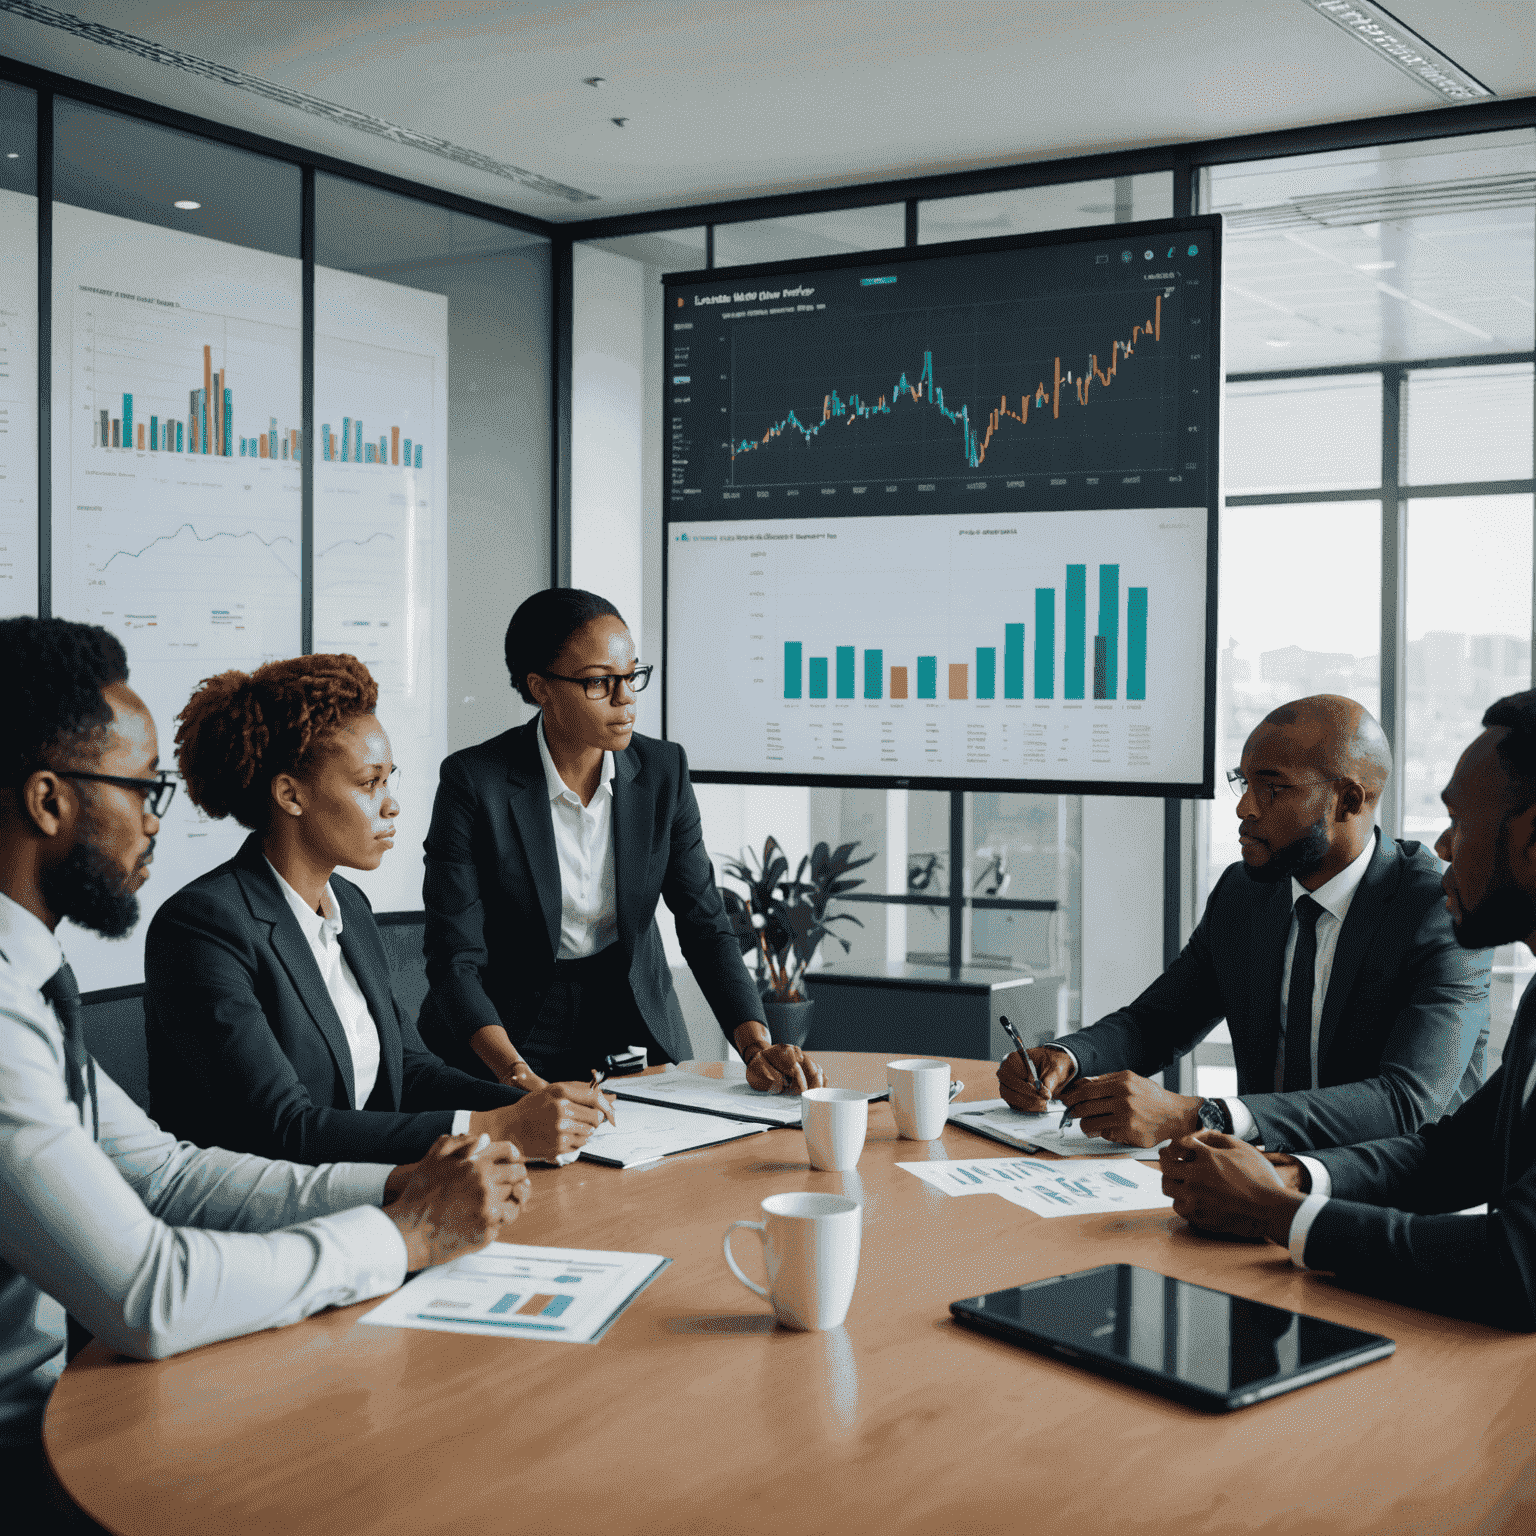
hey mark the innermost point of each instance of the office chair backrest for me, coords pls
(402, 934)
(114, 1035)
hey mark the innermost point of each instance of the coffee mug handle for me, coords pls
(751, 1226)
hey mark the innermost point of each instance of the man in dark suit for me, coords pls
(1353, 1011)
(1390, 1217)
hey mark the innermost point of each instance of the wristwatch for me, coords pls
(1214, 1116)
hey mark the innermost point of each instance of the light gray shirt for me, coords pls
(156, 1246)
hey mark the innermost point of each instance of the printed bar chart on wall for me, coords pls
(818, 677)
(845, 671)
(986, 671)
(1077, 631)
(1106, 684)
(1045, 642)
(1013, 661)
(927, 677)
(898, 682)
(874, 673)
(792, 669)
(1136, 643)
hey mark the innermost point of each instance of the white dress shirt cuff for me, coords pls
(372, 1248)
(1321, 1183)
(1056, 1045)
(461, 1122)
(1301, 1226)
(1243, 1124)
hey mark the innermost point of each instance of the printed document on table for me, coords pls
(712, 1095)
(648, 1132)
(1042, 1133)
(1088, 1187)
(509, 1290)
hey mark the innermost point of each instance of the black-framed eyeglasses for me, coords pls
(158, 792)
(1265, 790)
(602, 686)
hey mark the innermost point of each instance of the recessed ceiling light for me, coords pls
(1274, 341)
(187, 204)
(12, 155)
(1374, 266)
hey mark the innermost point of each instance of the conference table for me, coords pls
(697, 1414)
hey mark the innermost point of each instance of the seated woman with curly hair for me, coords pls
(271, 1022)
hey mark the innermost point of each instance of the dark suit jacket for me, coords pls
(246, 1050)
(1388, 1228)
(1405, 1019)
(492, 894)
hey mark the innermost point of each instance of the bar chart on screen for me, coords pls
(1036, 645)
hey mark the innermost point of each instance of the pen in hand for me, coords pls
(1024, 1056)
(598, 1079)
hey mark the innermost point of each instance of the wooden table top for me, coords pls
(697, 1414)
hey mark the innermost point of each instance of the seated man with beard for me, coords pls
(1354, 1013)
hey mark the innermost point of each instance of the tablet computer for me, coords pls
(1190, 1343)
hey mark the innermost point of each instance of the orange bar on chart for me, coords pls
(333, 447)
(536, 1304)
(957, 679)
(141, 437)
(898, 682)
(262, 451)
(208, 394)
(394, 445)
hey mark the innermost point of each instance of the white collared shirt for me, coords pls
(322, 932)
(589, 915)
(91, 1225)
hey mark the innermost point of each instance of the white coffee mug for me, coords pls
(811, 1253)
(834, 1121)
(919, 1096)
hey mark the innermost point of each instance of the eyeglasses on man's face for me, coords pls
(1265, 791)
(603, 685)
(158, 792)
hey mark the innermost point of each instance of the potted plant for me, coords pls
(782, 921)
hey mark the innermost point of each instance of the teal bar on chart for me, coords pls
(818, 677)
(1045, 642)
(1072, 671)
(792, 669)
(874, 674)
(1109, 632)
(986, 671)
(1136, 643)
(1013, 662)
(927, 677)
(845, 671)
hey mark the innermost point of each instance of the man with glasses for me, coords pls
(151, 1244)
(1352, 1009)
(1396, 1217)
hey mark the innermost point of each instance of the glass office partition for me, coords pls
(812, 234)
(18, 350)
(430, 471)
(1064, 205)
(177, 430)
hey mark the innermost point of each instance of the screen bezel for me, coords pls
(1210, 227)
(1370, 1347)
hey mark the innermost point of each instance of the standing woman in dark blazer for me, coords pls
(549, 849)
(272, 1026)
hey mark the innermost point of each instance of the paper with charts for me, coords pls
(1073, 1188)
(646, 1133)
(509, 1291)
(1041, 1133)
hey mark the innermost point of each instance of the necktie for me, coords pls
(1298, 1002)
(62, 990)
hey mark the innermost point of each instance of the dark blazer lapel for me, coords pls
(529, 803)
(374, 985)
(1271, 930)
(634, 814)
(1374, 895)
(268, 905)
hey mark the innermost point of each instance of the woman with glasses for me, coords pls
(271, 1022)
(549, 849)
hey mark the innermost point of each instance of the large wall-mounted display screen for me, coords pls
(947, 517)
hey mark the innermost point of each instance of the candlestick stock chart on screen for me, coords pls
(948, 517)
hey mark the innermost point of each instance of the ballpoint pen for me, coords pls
(1024, 1056)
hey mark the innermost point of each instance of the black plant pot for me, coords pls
(788, 1023)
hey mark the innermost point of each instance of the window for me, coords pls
(1064, 205)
